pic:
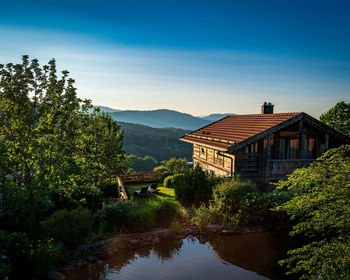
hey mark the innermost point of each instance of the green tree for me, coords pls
(146, 163)
(338, 117)
(39, 119)
(322, 211)
(48, 139)
(173, 165)
(101, 153)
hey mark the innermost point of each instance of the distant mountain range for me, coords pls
(107, 109)
(215, 117)
(162, 118)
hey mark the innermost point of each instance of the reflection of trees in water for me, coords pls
(99, 270)
(126, 257)
(257, 252)
(167, 250)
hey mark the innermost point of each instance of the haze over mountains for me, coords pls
(216, 117)
(162, 118)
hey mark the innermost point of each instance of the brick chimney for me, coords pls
(267, 108)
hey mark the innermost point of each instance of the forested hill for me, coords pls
(216, 117)
(160, 119)
(160, 143)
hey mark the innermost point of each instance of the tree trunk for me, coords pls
(32, 214)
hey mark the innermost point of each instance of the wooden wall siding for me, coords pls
(227, 161)
(212, 161)
(251, 163)
(196, 151)
(211, 156)
(216, 169)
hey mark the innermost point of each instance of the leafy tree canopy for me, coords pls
(322, 211)
(49, 141)
(338, 117)
(101, 154)
(139, 164)
(172, 165)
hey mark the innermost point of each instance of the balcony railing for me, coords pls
(286, 166)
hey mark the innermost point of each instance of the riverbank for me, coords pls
(108, 247)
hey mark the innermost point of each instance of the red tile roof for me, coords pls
(234, 129)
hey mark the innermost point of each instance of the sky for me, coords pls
(198, 57)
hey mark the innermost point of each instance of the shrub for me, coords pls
(246, 203)
(13, 208)
(203, 216)
(206, 215)
(45, 254)
(236, 203)
(69, 227)
(4, 267)
(266, 203)
(88, 196)
(21, 257)
(121, 216)
(165, 174)
(160, 168)
(109, 189)
(167, 181)
(175, 228)
(117, 216)
(15, 253)
(232, 196)
(194, 186)
(230, 221)
(172, 180)
(145, 219)
(186, 214)
(163, 210)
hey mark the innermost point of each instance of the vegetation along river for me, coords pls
(249, 256)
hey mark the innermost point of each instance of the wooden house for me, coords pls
(262, 147)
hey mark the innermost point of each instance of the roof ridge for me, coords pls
(274, 114)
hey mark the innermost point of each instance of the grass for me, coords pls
(157, 209)
(163, 194)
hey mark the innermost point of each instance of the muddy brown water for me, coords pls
(247, 256)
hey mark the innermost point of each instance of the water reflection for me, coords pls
(259, 252)
(252, 256)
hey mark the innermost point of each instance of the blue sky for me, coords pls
(198, 57)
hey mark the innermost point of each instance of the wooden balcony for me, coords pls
(287, 166)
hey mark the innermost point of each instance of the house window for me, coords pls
(293, 148)
(288, 148)
(309, 147)
(252, 148)
(202, 153)
(217, 155)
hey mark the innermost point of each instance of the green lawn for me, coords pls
(164, 193)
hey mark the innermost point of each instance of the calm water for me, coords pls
(248, 256)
